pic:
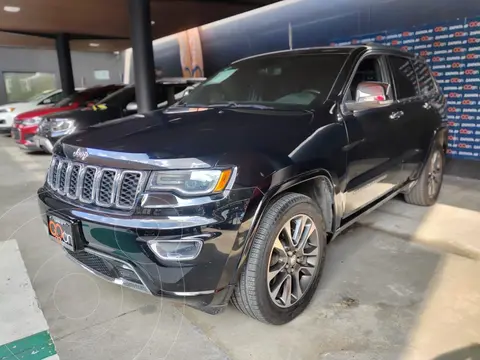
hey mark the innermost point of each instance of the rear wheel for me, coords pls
(285, 262)
(425, 191)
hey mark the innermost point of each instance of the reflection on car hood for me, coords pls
(197, 132)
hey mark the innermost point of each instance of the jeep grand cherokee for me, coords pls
(233, 193)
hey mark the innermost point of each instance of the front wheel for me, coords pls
(285, 261)
(425, 192)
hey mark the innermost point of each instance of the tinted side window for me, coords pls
(425, 78)
(405, 78)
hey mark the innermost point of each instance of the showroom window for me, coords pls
(21, 86)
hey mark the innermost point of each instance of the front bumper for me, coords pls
(44, 143)
(115, 248)
(24, 137)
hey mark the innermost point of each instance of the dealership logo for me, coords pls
(464, 146)
(454, 95)
(426, 38)
(452, 109)
(459, 50)
(460, 33)
(473, 56)
(380, 37)
(473, 40)
(80, 154)
(465, 131)
(453, 123)
(467, 117)
(452, 138)
(456, 80)
(470, 87)
(471, 72)
(440, 28)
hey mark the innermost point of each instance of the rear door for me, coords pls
(411, 112)
(373, 153)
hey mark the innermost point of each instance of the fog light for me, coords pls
(176, 250)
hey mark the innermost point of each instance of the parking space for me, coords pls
(402, 284)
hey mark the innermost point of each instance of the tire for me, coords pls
(253, 294)
(420, 194)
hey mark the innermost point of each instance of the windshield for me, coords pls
(40, 96)
(287, 81)
(119, 98)
(67, 101)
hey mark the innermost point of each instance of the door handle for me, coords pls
(396, 115)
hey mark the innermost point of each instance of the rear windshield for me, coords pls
(281, 81)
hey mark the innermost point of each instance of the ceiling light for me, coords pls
(12, 9)
(94, 44)
(152, 22)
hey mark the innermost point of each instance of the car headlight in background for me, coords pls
(32, 121)
(62, 124)
(12, 109)
(191, 182)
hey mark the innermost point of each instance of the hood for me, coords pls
(42, 112)
(86, 117)
(6, 106)
(194, 133)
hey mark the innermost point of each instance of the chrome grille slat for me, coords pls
(106, 187)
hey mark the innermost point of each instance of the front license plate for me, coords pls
(61, 231)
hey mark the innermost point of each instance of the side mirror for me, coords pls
(370, 95)
(132, 106)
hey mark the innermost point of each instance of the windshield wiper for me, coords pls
(233, 104)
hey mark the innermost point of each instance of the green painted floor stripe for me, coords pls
(35, 347)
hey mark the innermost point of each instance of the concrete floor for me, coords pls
(402, 284)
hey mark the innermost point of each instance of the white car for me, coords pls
(8, 112)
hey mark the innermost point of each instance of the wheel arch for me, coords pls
(320, 185)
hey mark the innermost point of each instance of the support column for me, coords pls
(143, 64)
(62, 43)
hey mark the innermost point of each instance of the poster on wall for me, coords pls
(191, 56)
(453, 52)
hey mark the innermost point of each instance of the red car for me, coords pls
(26, 124)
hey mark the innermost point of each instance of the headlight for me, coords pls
(32, 121)
(191, 182)
(10, 109)
(62, 124)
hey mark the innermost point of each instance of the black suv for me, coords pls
(234, 192)
(118, 104)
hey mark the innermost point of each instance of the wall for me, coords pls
(292, 24)
(84, 64)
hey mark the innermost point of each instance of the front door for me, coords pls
(373, 154)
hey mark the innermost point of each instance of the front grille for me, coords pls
(16, 134)
(94, 262)
(89, 184)
(110, 269)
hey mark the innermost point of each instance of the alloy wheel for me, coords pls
(293, 261)
(434, 180)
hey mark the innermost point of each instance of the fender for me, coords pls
(439, 138)
(271, 194)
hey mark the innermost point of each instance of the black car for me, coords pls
(233, 193)
(118, 104)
